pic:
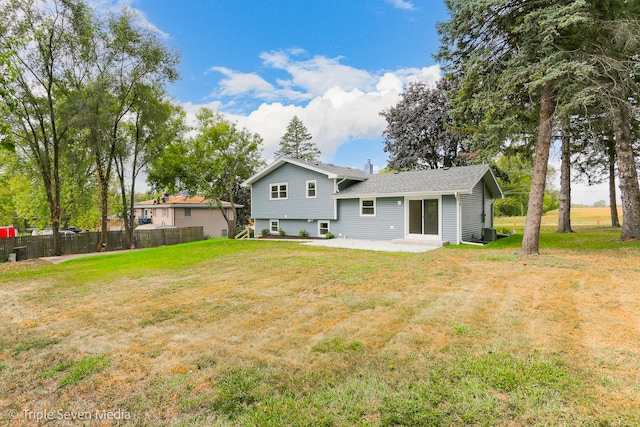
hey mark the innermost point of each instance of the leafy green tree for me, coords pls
(119, 61)
(212, 164)
(39, 122)
(419, 132)
(517, 60)
(514, 175)
(297, 143)
(154, 123)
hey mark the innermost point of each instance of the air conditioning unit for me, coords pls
(489, 235)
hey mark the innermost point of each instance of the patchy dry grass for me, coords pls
(276, 333)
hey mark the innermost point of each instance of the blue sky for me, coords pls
(336, 64)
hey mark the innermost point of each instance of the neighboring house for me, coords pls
(184, 211)
(453, 205)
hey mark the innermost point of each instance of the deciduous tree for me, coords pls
(39, 121)
(419, 133)
(210, 164)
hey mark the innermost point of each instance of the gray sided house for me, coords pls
(451, 205)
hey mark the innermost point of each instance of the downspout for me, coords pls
(462, 242)
(335, 201)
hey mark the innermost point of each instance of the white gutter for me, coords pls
(459, 207)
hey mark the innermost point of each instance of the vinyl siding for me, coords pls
(388, 224)
(292, 227)
(472, 221)
(297, 205)
(449, 219)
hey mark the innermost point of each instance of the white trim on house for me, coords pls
(279, 190)
(417, 194)
(422, 236)
(373, 206)
(328, 228)
(280, 161)
(277, 226)
(309, 189)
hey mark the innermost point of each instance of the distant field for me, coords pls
(579, 216)
(233, 333)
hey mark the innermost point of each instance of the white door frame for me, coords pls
(437, 237)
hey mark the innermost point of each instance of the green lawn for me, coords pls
(275, 333)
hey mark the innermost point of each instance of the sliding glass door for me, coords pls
(424, 217)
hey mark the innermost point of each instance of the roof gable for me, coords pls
(331, 171)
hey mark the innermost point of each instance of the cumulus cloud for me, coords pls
(336, 102)
(402, 4)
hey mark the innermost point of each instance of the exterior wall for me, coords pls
(211, 220)
(297, 205)
(292, 227)
(449, 219)
(488, 208)
(472, 218)
(388, 224)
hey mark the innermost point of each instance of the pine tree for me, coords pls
(296, 143)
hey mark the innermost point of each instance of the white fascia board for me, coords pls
(412, 194)
(279, 162)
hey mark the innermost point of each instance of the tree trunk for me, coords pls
(104, 220)
(564, 212)
(531, 237)
(125, 213)
(613, 203)
(629, 188)
(130, 217)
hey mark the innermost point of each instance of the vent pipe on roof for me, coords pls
(368, 167)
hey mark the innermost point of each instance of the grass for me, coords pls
(226, 333)
(76, 370)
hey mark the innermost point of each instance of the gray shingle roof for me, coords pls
(449, 180)
(338, 170)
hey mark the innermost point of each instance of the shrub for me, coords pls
(265, 232)
(303, 233)
(281, 232)
(329, 235)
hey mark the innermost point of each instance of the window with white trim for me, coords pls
(278, 191)
(367, 207)
(311, 189)
(274, 225)
(323, 228)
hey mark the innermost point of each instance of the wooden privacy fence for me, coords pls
(82, 243)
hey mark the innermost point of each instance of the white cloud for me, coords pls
(402, 4)
(116, 6)
(337, 103)
(318, 74)
(251, 84)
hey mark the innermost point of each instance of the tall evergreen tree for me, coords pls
(517, 59)
(297, 143)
